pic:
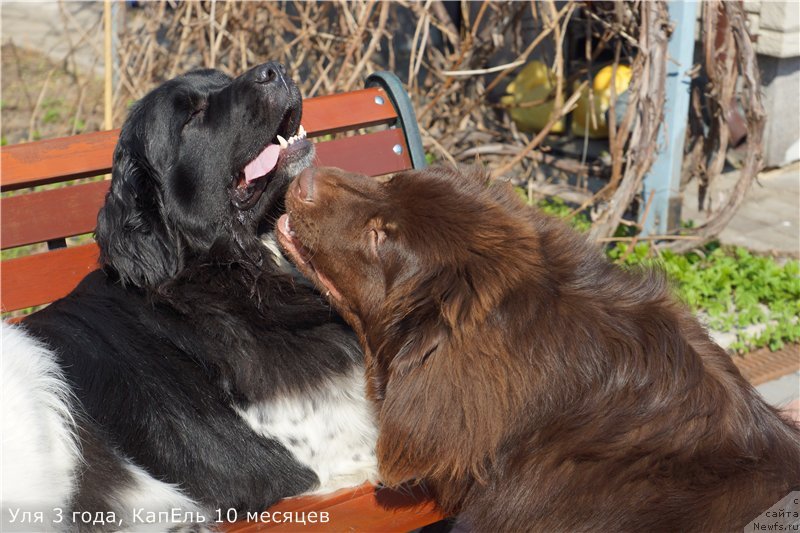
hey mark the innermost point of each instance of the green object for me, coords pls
(733, 288)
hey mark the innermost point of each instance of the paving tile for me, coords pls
(769, 218)
(781, 391)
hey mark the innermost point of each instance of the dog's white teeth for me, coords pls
(301, 134)
(282, 142)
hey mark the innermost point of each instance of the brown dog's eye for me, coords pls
(377, 236)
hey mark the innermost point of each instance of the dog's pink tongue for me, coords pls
(263, 164)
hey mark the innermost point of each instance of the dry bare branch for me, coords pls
(454, 70)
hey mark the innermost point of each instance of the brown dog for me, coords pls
(530, 383)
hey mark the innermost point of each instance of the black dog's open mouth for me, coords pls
(281, 153)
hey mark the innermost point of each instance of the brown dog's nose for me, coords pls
(305, 185)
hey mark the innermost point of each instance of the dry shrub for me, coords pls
(455, 65)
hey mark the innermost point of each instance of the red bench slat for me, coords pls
(58, 213)
(41, 278)
(53, 160)
(347, 111)
(90, 154)
(359, 509)
(369, 154)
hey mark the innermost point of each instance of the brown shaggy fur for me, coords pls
(530, 383)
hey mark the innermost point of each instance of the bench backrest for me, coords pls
(49, 216)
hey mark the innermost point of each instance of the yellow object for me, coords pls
(591, 115)
(533, 75)
(534, 83)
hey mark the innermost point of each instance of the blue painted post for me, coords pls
(665, 176)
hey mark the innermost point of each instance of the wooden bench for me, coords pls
(51, 216)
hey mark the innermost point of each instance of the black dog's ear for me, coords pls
(134, 238)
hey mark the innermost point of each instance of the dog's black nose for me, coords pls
(269, 72)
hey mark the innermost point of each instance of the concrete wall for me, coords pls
(781, 80)
(776, 25)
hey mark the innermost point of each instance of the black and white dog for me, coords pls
(193, 370)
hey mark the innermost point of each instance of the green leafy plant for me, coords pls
(757, 297)
(556, 206)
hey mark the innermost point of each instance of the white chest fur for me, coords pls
(331, 430)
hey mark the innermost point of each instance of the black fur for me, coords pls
(188, 317)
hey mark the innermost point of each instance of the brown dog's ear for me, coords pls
(421, 314)
(380, 230)
(416, 349)
(444, 420)
(411, 333)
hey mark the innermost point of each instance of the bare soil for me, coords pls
(41, 99)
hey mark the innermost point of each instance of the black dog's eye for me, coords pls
(196, 113)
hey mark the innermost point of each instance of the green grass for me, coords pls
(733, 287)
(21, 251)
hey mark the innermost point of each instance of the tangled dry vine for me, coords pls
(456, 63)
